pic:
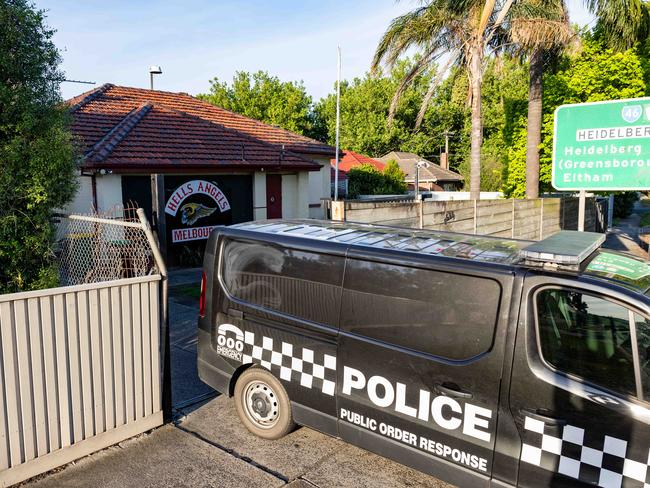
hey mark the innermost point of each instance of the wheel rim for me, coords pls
(261, 404)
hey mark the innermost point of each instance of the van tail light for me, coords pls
(202, 297)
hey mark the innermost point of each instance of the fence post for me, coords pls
(475, 216)
(512, 224)
(338, 210)
(541, 219)
(164, 316)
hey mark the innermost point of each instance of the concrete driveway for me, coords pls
(207, 445)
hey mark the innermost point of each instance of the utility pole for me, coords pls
(338, 123)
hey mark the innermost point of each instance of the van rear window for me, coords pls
(306, 285)
(447, 315)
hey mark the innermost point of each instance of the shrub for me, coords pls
(37, 173)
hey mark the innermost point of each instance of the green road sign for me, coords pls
(602, 146)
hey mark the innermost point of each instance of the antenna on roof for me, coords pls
(78, 81)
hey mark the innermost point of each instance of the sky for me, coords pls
(195, 41)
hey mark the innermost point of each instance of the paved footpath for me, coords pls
(625, 235)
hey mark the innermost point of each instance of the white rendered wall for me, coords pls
(109, 192)
(83, 199)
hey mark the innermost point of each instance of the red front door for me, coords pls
(274, 196)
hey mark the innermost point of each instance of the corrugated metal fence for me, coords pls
(80, 366)
(80, 371)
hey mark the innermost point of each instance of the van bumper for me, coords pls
(213, 369)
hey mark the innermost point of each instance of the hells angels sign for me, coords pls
(195, 201)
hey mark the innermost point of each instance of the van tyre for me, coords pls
(263, 404)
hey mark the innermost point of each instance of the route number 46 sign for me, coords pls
(602, 146)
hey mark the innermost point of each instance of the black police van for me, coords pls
(481, 361)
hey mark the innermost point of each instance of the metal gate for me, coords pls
(80, 365)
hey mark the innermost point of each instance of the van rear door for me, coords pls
(580, 386)
(419, 362)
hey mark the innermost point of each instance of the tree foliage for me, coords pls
(365, 104)
(37, 172)
(595, 73)
(264, 97)
(368, 180)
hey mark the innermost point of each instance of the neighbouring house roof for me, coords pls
(351, 159)
(135, 130)
(434, 172)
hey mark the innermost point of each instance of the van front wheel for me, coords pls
(263, 404)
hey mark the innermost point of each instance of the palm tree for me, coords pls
(541, 27)
(463, 30)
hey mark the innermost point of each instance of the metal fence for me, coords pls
(94, 248)
(80, 366)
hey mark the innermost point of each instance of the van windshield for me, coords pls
(631, 271)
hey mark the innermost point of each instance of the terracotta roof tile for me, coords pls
(351, 159)
(128, 129)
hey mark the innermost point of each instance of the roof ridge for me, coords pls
(100, 151)
(89, 96)
(242, 135)
(308, 139)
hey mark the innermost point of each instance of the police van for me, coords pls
(481, 361)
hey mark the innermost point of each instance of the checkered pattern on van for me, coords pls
(291, 363)
(601, 461)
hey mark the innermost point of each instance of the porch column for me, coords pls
(259, 195)
(302, 210)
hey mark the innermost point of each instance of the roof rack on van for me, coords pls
(567, 248)
(448, 244)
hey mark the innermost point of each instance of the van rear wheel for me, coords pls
(263, 404)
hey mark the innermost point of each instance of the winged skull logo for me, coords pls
(191, 212)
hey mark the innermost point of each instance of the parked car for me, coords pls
(482, 361)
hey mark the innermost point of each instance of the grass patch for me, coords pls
(189, 291)
(645, 202)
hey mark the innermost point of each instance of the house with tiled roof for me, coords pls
(201, 156)
(432, 176)
(349, 160)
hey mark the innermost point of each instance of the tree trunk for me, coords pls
(534, 134)
(475, 70)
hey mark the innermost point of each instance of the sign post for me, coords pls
(602, 146)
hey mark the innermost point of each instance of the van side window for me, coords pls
(448, 315)
(588, 337)
(643, 344)
(306, 285)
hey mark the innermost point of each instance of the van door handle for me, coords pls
(542, 417)
(236, 314)
(451, 390)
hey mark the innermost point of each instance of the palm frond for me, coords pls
(432, 89)
(418, 67)
(623, 22)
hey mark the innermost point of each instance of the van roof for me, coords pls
(570, 250)
(449, 244)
